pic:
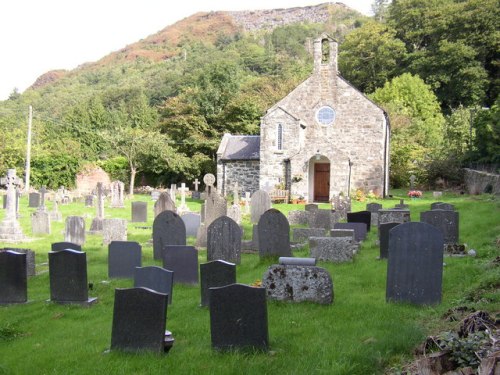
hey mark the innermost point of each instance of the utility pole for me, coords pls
(28, 151)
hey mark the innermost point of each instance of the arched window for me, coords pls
(279, 137)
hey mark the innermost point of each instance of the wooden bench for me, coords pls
(279, 196)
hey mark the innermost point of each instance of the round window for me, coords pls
(325, 116)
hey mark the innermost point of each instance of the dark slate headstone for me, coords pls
(274, 234)
(139, 212)
(359, 229)
(34, 200)
(445, 220)
(58, 246)
(68, 277)
(260, 202)
(415, 264)
(30, 259)
(192, 222)
(298, 283)
(139, 320)
(442, 206)
(156, 278)
(183, 261)
(360, 217)
(373, 207)
(238, 317)
(383, 235)
(224, 240)
(13, 278)
(215, 274)
(123, 257)
(168, 229)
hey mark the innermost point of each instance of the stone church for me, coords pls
(323, 139)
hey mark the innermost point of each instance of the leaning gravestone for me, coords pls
(139, 321)
(298, 283)
(75, 230)
(360, 217)
(192, 222)
(164, 203)
(260, 202)
(168, 229)
(332, 249)
(13, 278)
(415, 264)
(34, 200)
(445, 220)
(224, 240)
(215, 274)
(139, 212)
(183, 261)
(274, 234)
(58, 246)
(155, 278)
(238, 317)
(359, 229)
(123, 258)
(114, 230)
(383, 235)
(68, 277)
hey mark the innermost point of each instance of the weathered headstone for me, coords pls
(75, 230)
(96, 226)
(34, 200)
(374, 208)
(238, 317)
(164, 203)
(383, 235)
(341, 205)
(40, 222)
(215, 274)
(55, 214)
(173, 192)
(298, 217)
(139, 321)
(234, 212)
(393, 216)
(89, 200)
(168, 229)
(311, 207)
(192, 222)
(303, 234)
(10, 229)
(274, 234)
(123, 258)
(13, 277)
(183, 206)
(183, 261)
(139, 212)
(68, 277)
(442, 206)
(360, 217)
(322, 218)
(359, 229)
(260, 202)
(156, 278)
(117, 197)
(298, 283)
(332, 249)
(446, 221)
(342, 233)
(415, 264)
(30, 259)
(58, 246)
(114, 230)
(224, 240)
(215, 207)
(155, 194)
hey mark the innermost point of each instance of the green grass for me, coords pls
(358, 334)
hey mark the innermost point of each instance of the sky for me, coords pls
(37, 36)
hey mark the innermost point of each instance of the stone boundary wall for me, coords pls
(477, 182)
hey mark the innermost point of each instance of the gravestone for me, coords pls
(215, 274)
(192, 222)
(224, 240)
(13, 277)
(393, 216)
(96, 226)
(342, 233)
(68, 277)
(10, 229)
(359, 229)
(55, 214)
(215, 207)
(139, 321)
(374, 208)
(196, 194)
(298, 217)
(58, 246)
(415, 264)
(117, 197)
(401, 205)
(274, 234)
(89, 200)
(383, 235)
(322, 218)
(360, 217)
(139, 212)
(123, 258)
(298, 283)
(40, 222)
(164, 203)
(183, 261)
(30, 259)
(446, 221)
(437, 194)
(246, 202)
(173, 191)
(260, 202)
(238, 317)
(75, 230)
(412, 181)
(332, 249)
(34, 200)
(234, 212)
(341, 205)
(183, 207)
(168, 229)
(155, 278)
(311, 207)
(442, 206)
(303, 234)
(114, 230)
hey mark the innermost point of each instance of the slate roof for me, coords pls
(242, 147)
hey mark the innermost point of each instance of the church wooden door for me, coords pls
(321, 182)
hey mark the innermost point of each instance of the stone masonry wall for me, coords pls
(478, 182)
(246, 172)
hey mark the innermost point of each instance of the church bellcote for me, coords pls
(325, 54)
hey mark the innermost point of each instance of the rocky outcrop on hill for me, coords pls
(49, 77)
